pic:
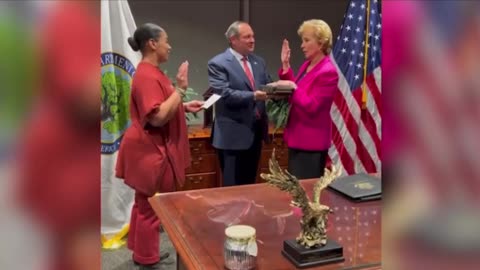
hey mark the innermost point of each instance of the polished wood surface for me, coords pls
(200, 132)
(197, 131)
(195, 221)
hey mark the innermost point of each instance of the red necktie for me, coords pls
(252, 82)
(248, 72)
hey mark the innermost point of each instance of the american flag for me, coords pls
(357, 131)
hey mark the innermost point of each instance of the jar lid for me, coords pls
(240, 231)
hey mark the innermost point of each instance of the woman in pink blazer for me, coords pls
(309, 126)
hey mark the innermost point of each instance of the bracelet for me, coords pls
(181, 92)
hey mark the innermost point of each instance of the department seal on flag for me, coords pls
(117, 73)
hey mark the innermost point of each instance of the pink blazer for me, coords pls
(309, 125)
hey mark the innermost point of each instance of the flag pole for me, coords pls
(365, 60)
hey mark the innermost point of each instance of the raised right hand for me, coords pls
(285, 54)
(182, 75)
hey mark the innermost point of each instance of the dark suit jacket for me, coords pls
(233, 127)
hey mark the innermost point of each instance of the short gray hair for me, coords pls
(233, 30)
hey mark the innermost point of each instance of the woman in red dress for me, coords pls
(154, 152)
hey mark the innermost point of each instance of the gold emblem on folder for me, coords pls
(364, 185)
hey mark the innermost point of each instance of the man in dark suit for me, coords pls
(240, 121)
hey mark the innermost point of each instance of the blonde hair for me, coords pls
(322, 32)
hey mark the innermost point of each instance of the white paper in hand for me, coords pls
(210, 101)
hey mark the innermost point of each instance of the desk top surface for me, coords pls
(196, 220)
(200, 132)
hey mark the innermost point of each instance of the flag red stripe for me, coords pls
(362, 152)
(343, 154)
(353, 129)
(377, 96)
(366, 116)
(370, 125)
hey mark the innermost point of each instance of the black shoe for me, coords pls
(163, 256)
(155, 266)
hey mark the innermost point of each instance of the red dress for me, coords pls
(150, 158)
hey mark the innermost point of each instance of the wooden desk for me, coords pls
(195, 221)
(204, 171)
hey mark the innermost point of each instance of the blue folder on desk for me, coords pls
(358, 187)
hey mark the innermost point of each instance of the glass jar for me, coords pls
(240, 247)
